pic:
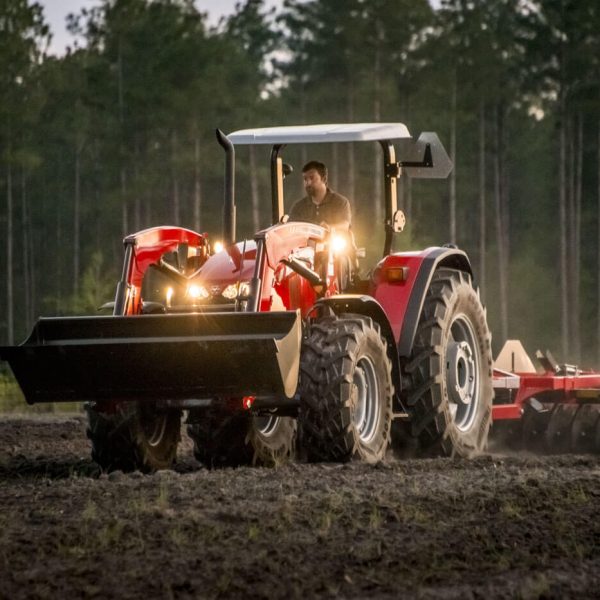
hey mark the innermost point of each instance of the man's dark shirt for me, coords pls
(334, 209)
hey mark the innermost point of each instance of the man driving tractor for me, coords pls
(321, 205)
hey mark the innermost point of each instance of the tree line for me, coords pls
(118, 135)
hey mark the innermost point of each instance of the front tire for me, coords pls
(450, 369)
(349, 414)
(134, 436)
(223, 439)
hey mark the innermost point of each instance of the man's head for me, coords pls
(314, 174)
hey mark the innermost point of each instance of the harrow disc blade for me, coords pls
(557, 439)
(596, 446)
(534, 424)
(583, 429)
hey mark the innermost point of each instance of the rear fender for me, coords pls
(369, 307)
(403, 301)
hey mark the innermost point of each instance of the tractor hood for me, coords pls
(232, 264)
(219, 281)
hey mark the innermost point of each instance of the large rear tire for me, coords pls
(134, 436)
(348, 415)
(450, 369)
(223, 439)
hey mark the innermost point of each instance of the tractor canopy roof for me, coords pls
(327, 133)
(424, 157)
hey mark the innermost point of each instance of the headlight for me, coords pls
(217, 247)
(197, 292)
(338, 244)
(169, 295)
(234, 290)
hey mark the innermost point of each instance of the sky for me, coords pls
(56, 12)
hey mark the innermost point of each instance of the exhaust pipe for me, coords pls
(229, 204)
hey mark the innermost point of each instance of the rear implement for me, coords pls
(552, 409)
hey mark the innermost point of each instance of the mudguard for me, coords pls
(403, 300)
(368, 306)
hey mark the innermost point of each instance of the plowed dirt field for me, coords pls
(496, 527)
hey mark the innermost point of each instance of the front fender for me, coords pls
(369, 307)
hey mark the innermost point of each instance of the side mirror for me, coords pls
(287, 169)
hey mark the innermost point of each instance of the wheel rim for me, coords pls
(367, 409)
(266, 425)
(462, 372)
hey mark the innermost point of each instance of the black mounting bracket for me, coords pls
(426, 162)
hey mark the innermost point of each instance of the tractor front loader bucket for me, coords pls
(174, 357)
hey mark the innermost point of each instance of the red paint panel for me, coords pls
(504, 412)
(534, 386)
(394, 297)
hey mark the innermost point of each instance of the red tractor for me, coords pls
(278, 343)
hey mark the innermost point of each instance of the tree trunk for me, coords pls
(59, 241)
(350, 146)
(335, 165)
(10, 317)
(563, 226)
(254, 194)
(137, 201)
(123, 176)
(303, 111)
(25, 235)
(598, 247)
(453, 157)
(32, 274)
(124, 211)
(577, 242)
(500, 239)
(197, 183)
(482, 218)
(570, 209)
(505, 197)
(378, 175)
(77, 220)
(175, 180)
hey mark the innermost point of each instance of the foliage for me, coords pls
(97, 287)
